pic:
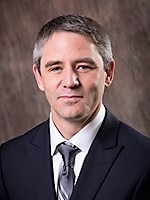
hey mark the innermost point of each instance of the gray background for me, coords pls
(22, 105)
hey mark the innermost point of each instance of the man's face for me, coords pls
(72, 76)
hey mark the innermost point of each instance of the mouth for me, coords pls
(71, 98)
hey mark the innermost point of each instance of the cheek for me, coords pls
(95, 90)
(49, 90)
(92, 93)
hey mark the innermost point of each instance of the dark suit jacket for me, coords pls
(117, 166)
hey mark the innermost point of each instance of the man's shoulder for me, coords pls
(129, 136)
(130, 131)
(25, 137)
(133, 137)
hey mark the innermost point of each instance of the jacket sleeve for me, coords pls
(3, 191)
(142, 191)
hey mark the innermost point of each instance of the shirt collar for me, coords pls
(87, 134)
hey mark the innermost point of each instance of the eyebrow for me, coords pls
(51, 63)
(85, 60)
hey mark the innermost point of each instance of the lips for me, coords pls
(70, 98)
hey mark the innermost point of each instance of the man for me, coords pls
(73, 63)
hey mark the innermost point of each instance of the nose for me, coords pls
(70, 78)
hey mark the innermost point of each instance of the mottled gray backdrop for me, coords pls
(22, 105)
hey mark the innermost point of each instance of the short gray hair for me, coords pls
(76, 24)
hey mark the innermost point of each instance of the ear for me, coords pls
(110, 73)
(38, 77)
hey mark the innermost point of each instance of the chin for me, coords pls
(78, 116)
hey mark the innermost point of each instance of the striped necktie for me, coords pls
(66, 177)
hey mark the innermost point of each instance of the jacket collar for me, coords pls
(100, 159)
(41, 163)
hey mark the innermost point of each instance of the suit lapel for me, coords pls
(40, 162)
(99, 161)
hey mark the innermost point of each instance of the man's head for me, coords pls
(73, 64)
(76, 24)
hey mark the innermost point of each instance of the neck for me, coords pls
(68, 128)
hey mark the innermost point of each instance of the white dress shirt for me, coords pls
(83, 140)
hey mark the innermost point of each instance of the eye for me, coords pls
(84, 68)
(55, 69)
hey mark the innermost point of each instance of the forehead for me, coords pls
(63, 40)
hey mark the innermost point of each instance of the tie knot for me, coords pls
(68, 152)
